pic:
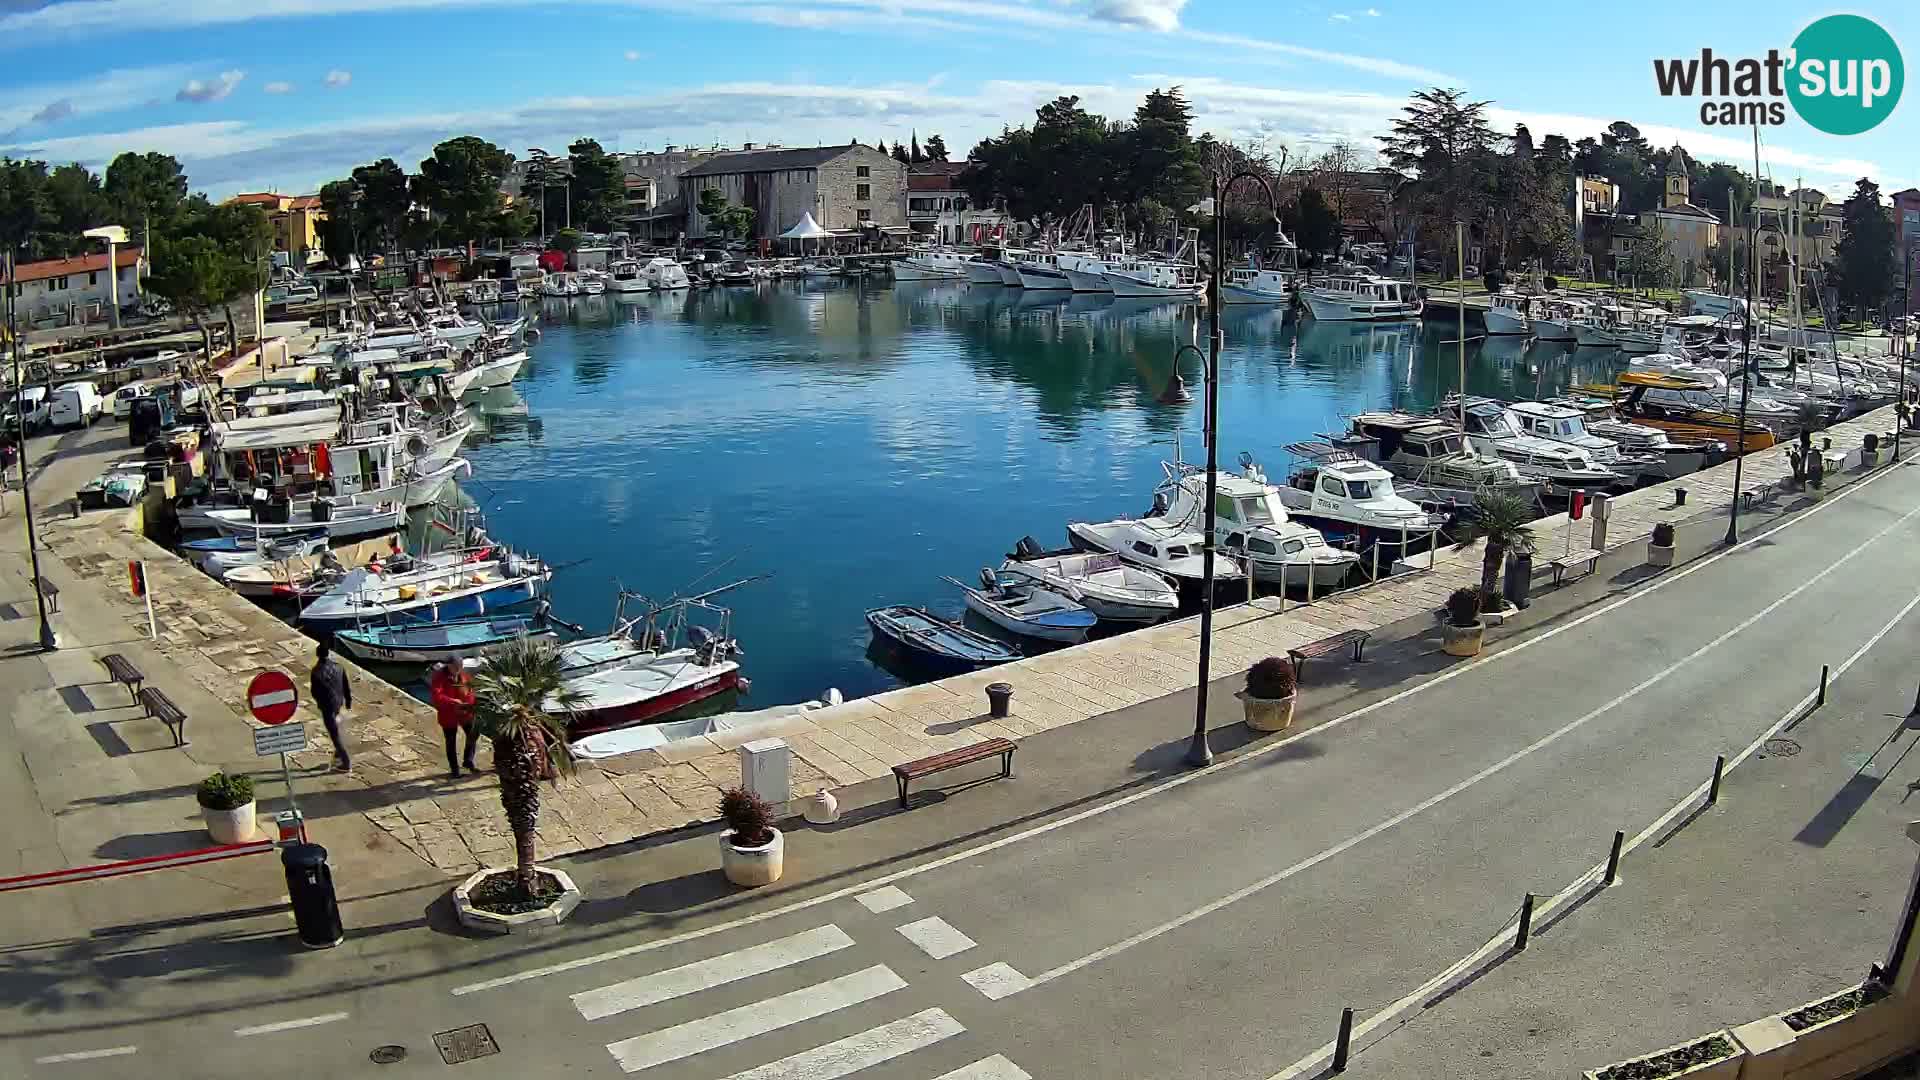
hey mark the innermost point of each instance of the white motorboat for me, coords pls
(1155, 278)
(1086, 273)
(1563, 424)
(1006, 266)
(1440, 469)
(591, 283)
(1555, 319)
(1563, 468)
(1354, 499)
(218, 564)
(1246, 285)
(1169, 548)
(1717, 305)
(626, 276)
(1676, 459)
(340, 522)
(559, 284)
(1507, 314)
(1361, 298)
(430, 593)
(1251, 524)
(1027, 608)
(483, 291)
(932, 264)
(497, 370)
(1038, 271)
(1111, 589)
(983, 271)
(665, 275)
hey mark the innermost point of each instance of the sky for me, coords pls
(284, 95)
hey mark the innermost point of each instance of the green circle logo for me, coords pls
(1846, 75)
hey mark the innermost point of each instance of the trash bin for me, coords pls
(1519, 580)
(316, 913)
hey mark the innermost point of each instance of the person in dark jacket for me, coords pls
(331, 693)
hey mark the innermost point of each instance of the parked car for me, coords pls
(124, 398)
(36, 404)
(75, 404)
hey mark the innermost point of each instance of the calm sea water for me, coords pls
(859, 441)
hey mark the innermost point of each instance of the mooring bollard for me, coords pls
(1526, 924)
(1613, 860)
(1822, 699)
(1679, 496)
(1713, 791)
(1916, 704)
(999, 700)
(1343, 1044)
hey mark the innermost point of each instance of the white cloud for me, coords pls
(1340, 16)
(278, 88)
(1162, 15)
(1373, 13)
(338, 78)
(632, 55)
(201, 91)
(108, 91)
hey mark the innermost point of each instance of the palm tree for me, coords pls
(517, 694)
(1501, 520)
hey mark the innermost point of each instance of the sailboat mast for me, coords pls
(1460, 251)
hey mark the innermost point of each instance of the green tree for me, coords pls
(75, 203)
(1445, 139)
(385, 202)
(1649, 260)
(198, 274)
(936, 148)
(461, 182)
(723, 217)
(24, 206)
(514, 221)
(516, 695)
(1712, 185)
(339, 200)
(1863, 262)
(145, 191)
(1500, 520)
(1158, 158)
(899, 153)
(599, 185)
(567, 240)
(914, 156)
(1318, 230)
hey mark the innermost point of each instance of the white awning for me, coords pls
(807, 229)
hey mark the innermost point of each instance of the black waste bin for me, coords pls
(1519, 580)
(310, 887)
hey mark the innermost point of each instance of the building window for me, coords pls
(862, 170)
(60, 283)
(862, 192)
(93, 278)
(864, 215)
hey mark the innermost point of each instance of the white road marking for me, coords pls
(758, 1018)
(856, 1052)
(936, 937)
(993, 1068)
(884, 899)
(289, 1025)
(1432, 801)
(716, 971)
(1164, 786)
(1598, 870)
(997, 981)
(85, 1055)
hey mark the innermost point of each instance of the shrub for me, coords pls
(1463, 607)
(1663, 534)
(1271, 679)
(223, 792)
(749, 816)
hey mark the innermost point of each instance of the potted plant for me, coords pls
(1269, 694)
(1870, 451)
(1460, 634)
(752, 851)
(1660, 545)
(226, 805)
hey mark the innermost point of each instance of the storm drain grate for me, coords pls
(1780, 747)
(387, 1055)
(465, 1044)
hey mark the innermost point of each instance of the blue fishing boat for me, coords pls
(1028, 608)
(246, 543)
(430, 643)
(938, 642)
(437, 593)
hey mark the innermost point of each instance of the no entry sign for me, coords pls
(272, 698)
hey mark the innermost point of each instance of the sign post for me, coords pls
(137, 581)
(1576, 505)
(272, 699)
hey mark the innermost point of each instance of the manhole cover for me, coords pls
(465, 1044)
(387, 1055)
(1780, 747)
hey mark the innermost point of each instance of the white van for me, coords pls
(33, 400)
(124, 398)
(75, 404)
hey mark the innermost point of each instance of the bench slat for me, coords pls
(908, 771)
(161, 707)
(1329, 644)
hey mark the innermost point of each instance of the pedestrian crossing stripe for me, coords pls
(992, 1068)
(716, 971)
(864, 1050)
(758, 1018)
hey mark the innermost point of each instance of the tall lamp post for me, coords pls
(1746, 342)
(1200, 754)
(1906, 346)
(48, 639)
(114, 235)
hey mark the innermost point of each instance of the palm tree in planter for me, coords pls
(517, 694)
(1269, 695)
(1461, 634)
(1501, 520)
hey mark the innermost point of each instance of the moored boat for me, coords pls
(430, 643)
(1027, 608)
(1106, 586)
(937, 642)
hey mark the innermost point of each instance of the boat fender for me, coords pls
(832, 696)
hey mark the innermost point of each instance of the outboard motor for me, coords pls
(705, 644)
(988, 581)
(1028, 548)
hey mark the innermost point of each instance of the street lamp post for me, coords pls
(1906, 346)
(48, 639)
(1746, 375)
(1200, 754)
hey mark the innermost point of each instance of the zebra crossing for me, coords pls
(808, 957)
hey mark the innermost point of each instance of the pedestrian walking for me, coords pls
(452, 692)
(332, 693)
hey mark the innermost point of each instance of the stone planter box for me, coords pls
(1659, 556)
(233, 826)
(553, 914)
(752, 867)
(1870, 459)
(1461, 640)
(1725, 1066)
(1843, 1045)
(1267, 714)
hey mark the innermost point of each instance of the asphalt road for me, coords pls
(1204, 925)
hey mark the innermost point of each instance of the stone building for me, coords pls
(1693, 232)
(848, 189)
(940, 210)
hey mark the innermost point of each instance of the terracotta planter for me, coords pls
(1268, 714)
(229, 826)
(1659, 556)
(1461, 640)
(753, 866)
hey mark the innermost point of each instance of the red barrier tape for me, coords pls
(137, 866)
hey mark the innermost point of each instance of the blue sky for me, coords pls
(286, 94)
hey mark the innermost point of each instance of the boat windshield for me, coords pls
(1361, 489)
(1255, 511)
(1178, 551)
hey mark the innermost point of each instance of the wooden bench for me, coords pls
(1564, 563)
(121, 670)
(1327, 646)
(927, 766)
(161, 707)
(48, 592)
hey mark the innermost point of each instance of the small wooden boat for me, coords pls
(431, 643)
(1027, 608)
(1111, 589)
(937, 641)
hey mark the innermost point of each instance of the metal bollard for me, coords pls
(1916, 704)
(1526, 924)
(1713, 791)
(1613, 860)
(1679, 496)
(1344, 1043)
(999, 700)
(1822, 699)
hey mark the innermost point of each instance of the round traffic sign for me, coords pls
(272, 698)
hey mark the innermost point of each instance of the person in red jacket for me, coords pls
(452, 692)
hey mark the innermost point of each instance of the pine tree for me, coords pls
(900, 154)
(1863, 262)
(936, 148)
(914, 156)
